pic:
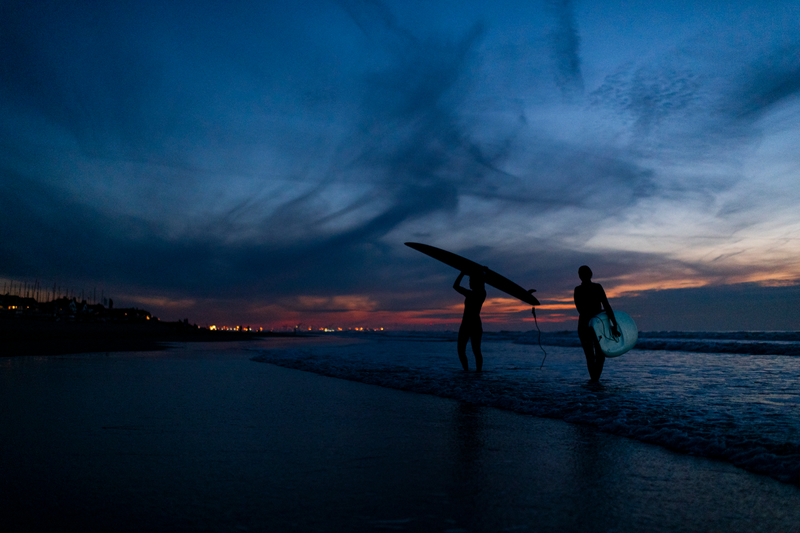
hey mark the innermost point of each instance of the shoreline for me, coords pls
(22, 337)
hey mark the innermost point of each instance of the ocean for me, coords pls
(730, 396)
(202, 437)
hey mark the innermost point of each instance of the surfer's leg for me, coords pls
(463, 337)
(599, 360)
(477, 334)
(587, 343)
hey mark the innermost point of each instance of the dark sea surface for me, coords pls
(733, 396)
(201, 437)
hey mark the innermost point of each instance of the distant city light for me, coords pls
(309, 329)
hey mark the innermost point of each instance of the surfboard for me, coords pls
(610, 345)
(467, 266)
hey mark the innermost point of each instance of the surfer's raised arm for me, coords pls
(457, 285)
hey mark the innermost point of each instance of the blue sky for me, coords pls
(264, 162)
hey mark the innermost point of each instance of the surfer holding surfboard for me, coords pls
(471, 328)
(602, 333)
(590, 301)
(479, 276)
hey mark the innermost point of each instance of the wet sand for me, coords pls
(200, 438)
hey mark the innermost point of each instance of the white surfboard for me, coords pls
(610, 345)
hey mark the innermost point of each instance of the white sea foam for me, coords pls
(741, 408)
(741, 342)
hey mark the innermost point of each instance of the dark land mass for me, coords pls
(21, 336)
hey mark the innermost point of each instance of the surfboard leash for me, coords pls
(533, 310)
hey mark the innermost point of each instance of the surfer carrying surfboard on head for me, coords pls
(590, 300)
(471, 328)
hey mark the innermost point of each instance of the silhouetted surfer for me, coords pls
(590, 300)
(471, 328)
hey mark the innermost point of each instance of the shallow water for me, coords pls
(741, 408)
(201, 438)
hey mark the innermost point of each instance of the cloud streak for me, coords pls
(566, 40)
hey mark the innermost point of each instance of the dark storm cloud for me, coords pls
(88, 80)
(565, 41)
(60, 238)
(412, 148)
(378, 23)
(765, 83)
(411, 144)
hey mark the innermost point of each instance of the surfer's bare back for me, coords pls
(471, 328)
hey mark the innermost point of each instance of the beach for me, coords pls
(202, 438)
